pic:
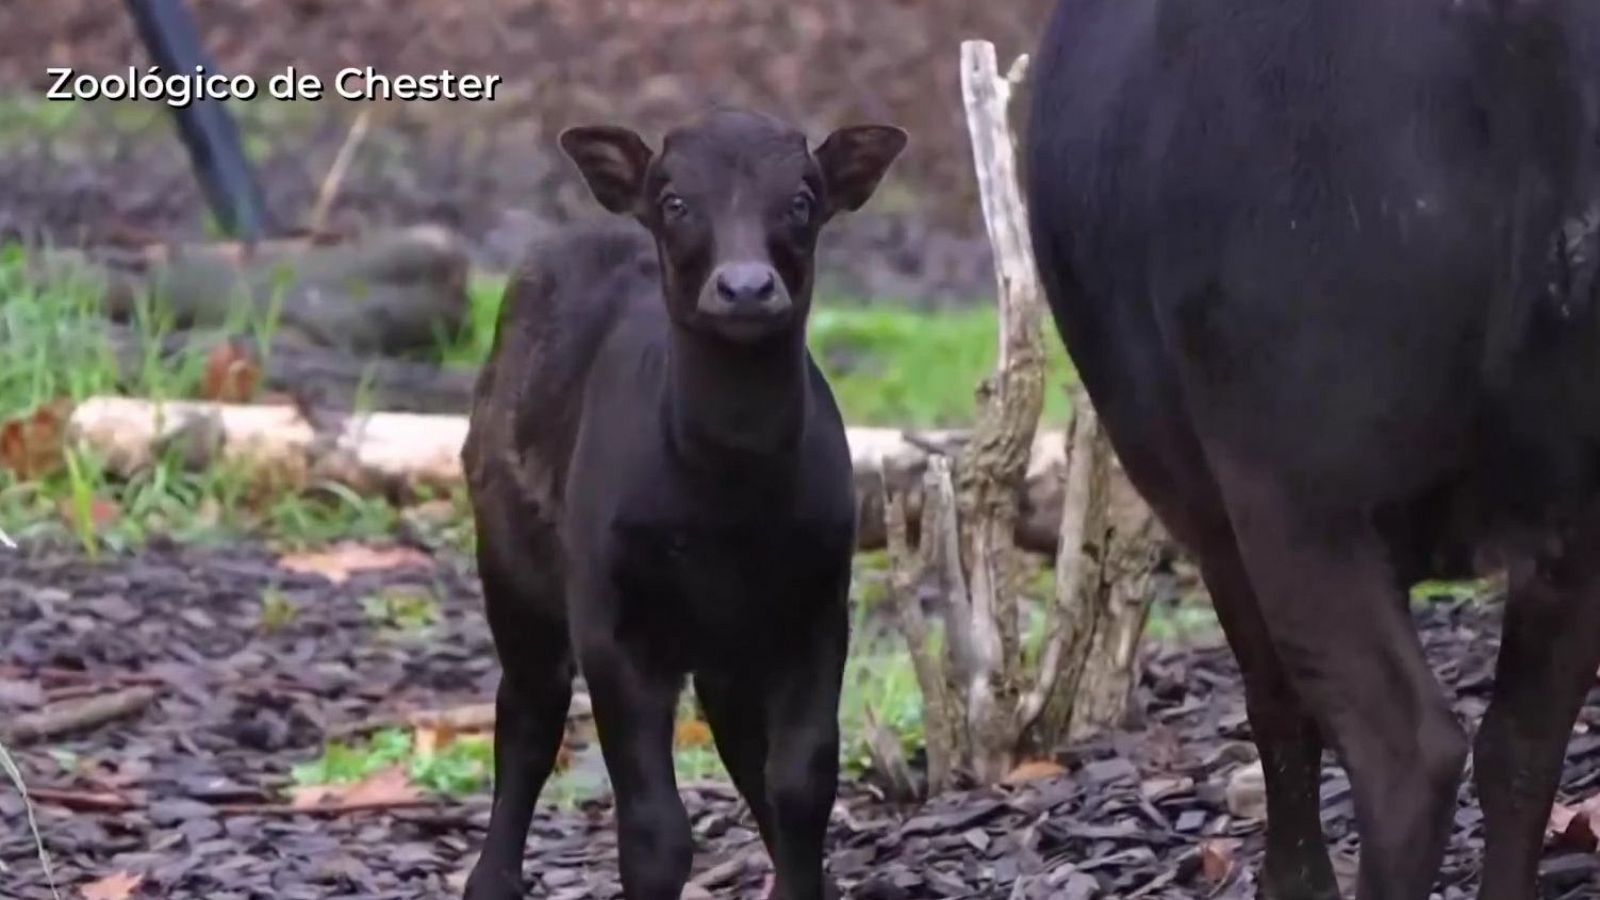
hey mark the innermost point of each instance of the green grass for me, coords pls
(462, 766)
(901, 367)
(53, 346)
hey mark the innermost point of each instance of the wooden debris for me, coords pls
(72, 715)
(889, 761)
(82, 801)
(1247, 793)
(989, 700)
(400, 453)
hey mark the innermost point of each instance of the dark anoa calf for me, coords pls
(662, 487)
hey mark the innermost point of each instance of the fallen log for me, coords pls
(316, 376)
(401, 455)
(391, 292)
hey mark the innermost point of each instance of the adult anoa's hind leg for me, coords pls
(1340, 624)
(1164, 461)
(524, 606)
(1296, 865)
(1549, 649)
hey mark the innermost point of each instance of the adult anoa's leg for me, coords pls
(1341, 627)
(1549, 649)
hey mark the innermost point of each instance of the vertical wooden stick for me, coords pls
(990, 470)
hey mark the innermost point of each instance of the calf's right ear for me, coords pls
(612, 161)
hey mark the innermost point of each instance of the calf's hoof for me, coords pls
(830, 891)
(1283, 890)
(486, 883)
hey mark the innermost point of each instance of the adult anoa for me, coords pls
(1328, 269)
(662, 488)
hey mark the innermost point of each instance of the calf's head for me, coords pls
(735, 202)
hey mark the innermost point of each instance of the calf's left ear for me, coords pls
(612, 161)
(853, 161)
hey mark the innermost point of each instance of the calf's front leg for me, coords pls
(634, 703)
(802, 769)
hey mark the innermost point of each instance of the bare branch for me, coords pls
(992, 467)
(1071, 564)
(906, 570)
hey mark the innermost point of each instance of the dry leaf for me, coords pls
(690, 733)
(1217, 860)
(34, 445)
(1155, 789)
(231, 374)
(339, 562)
(1561, 816)
(1035, 770)
(1575, 828)
(430, 739)
(116, 886)
(387, 786)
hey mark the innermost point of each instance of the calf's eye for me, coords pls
(800, 208)
(674, 207)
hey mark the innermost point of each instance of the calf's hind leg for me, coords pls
(523, 604)
(736, 712)
(1549, 648)
(1341, 627)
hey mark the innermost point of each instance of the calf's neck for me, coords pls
(662, 488)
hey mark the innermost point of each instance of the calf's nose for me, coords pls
(745, 284)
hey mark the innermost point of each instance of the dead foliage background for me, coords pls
(647, 62)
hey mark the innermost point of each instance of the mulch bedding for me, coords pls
(239, 705)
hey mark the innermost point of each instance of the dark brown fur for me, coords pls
(1328, 270)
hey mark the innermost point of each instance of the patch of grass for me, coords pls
(698, 764)
(471, 347)
(54, 347)
(1188, 618)
(277, 610)
(879, 676)
(405, 608)
(1434, 591)
(461, 767)
(28, 118)
(898, 367)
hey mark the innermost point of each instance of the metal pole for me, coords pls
(206, 128)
